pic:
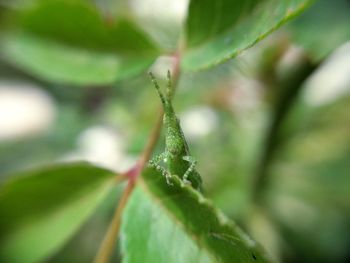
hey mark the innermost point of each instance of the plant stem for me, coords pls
(108, 244)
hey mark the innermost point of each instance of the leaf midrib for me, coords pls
(194, 238)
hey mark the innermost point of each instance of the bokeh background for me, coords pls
(279, 111)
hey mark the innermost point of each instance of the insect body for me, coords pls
(176, 155)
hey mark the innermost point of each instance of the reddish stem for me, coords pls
(108, 244)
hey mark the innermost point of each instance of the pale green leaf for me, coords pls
(42, 209)
(174, 223)
(219, 30)
(50, 43)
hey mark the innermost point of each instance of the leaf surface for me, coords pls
(51, 43)
(41, 209)
(175, 223)
(219, 30)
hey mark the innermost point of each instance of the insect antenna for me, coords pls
(157, 88)
(169, 86)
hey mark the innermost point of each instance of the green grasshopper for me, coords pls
(176, 156)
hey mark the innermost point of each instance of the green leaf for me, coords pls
(323, 27)
(42, 209)
(175, 223)
(219, 30)
(90, 51)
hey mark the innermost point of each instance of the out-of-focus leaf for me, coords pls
(84, 245)
(52, 43)
(2, 9)
(310, 176)
(41, 209)
(316, 156)
(219, 30)
(323, 27)
(164, 223)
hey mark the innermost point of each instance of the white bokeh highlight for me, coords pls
(102, 146)
(331, 80)
(25, 110)
(198, 122)
(163, 9)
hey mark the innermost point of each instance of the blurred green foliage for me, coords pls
(272, 160)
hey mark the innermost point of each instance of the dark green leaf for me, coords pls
(165, 223)
(51, 43)
(219, 30)
(41, 209)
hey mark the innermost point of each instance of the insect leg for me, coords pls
(155, 163)
(190, 169)
(157, 159)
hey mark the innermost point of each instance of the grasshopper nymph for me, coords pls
(176, 156)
